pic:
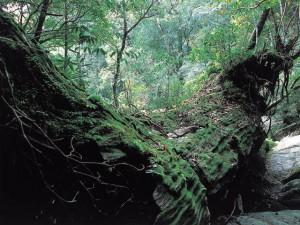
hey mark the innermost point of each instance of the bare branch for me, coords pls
(145, 14)
(254, 6)
(293, 88)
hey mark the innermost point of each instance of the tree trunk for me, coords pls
(116, 78)
(66, 35)
(41, 20)
(118, 65)
(67, 158)
(258, 29)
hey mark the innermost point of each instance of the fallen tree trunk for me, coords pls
(68, 158)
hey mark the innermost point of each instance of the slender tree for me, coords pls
(41, 20)
(146, 13)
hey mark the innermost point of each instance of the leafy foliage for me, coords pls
(176, 46)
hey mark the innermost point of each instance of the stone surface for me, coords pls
(185, 130)
(283, 165)
(283, 159)
(286, 217)
(172, 135)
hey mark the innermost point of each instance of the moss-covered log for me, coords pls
(68, 158)
(227, 113)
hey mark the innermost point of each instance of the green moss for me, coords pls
(175, 175)
(228, 84)
(213, 150)
(270, 143)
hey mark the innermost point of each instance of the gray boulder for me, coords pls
(286, 217)
(283, 171)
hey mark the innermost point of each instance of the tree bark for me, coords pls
(118, 65)
(258, 29)
(66, 35)
(41, 20)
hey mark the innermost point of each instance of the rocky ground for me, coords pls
(283, 178)
(285, 217)
(283, 171)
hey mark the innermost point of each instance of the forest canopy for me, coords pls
(153, 54)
